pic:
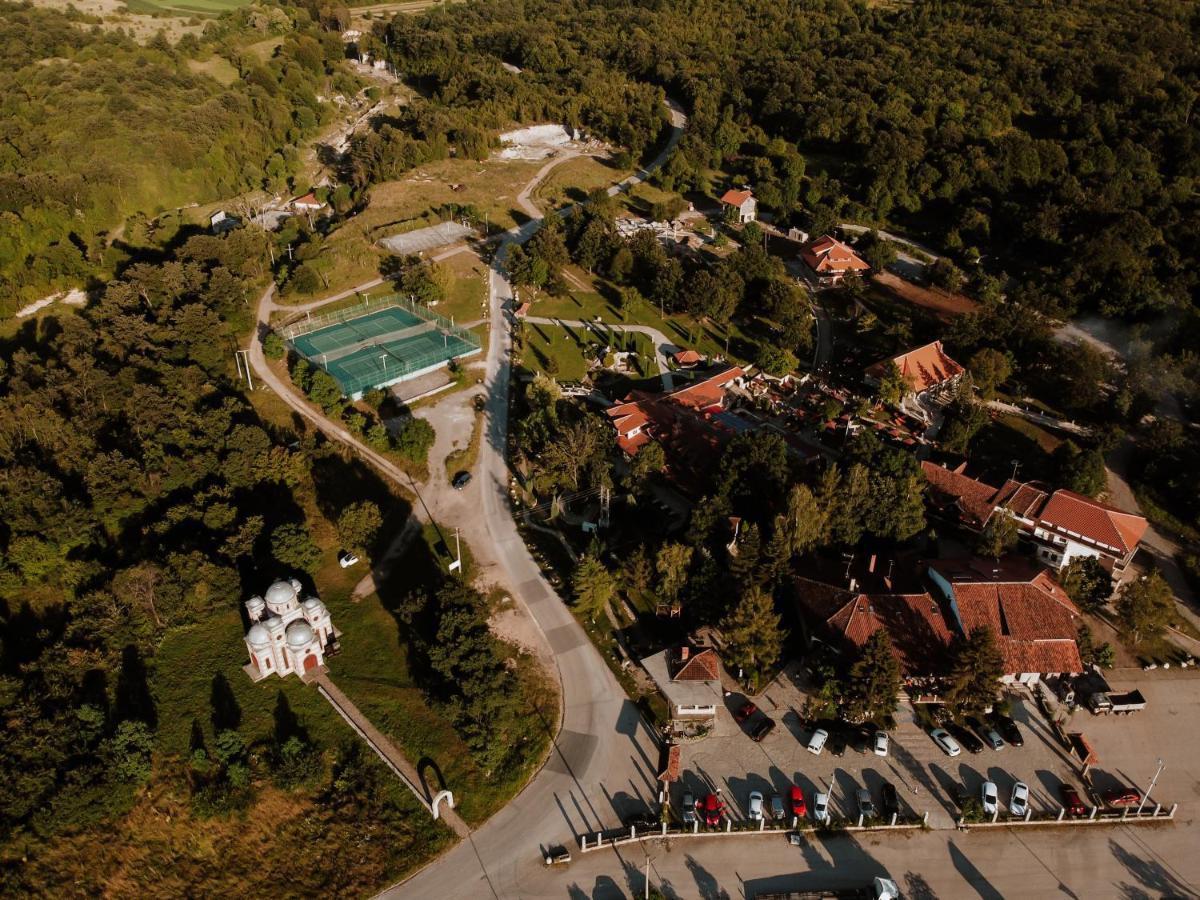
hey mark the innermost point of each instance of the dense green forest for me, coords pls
(1055, 139)
(94, 127)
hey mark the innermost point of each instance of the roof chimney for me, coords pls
(853, 584)
(683, 654)
(871, 564)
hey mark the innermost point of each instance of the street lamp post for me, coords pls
(1153, 781)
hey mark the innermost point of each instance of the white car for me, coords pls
(755, 812)
(881, 743)
(816, 743)
(346, 560)
(991, 797)
(821, 809)
(942, 738)
(1018, 805)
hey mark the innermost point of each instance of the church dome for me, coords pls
(313, 606)
(299, 635)
(280, 594)
(258, 636)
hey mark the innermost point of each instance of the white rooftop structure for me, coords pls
(287, 635)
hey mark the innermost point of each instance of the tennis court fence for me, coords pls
(374, 304)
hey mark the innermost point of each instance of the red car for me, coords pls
(745, 712)
(1122, 797)
(799, 807)
(712, 810)
(1071, 802)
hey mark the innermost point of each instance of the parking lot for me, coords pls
(926, 779)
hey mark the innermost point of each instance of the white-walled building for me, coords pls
(288, 635)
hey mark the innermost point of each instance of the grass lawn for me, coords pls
(216, 67)
(178, 7)
(572, 181)
(555, 351)
(466, 293)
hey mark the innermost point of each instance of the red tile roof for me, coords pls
(678, 415)
(924, 368)
(701, 665)
(669, 763)
(1067, 511)
(687, 357)
(974, 499)
(736, 198)
(828, 256)
(915, 623)
(1033, 619)
(309, 199)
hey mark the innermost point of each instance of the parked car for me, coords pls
(990, 797)
(866, 807)
(965, 739)
(837, 741)
(987, 734)
(461, 480)
(1126, 796)
(799, 807)
(1008, 729)
(712, 810)
(1018, 803)
(816, 743)
(821, 809)
(1071, 801)
(754, 812)
(347, 559)
(763, 728)
(745, 711)
(891, 800)
(777, 807)
(689, 809)
(942, 738)
(882, 743)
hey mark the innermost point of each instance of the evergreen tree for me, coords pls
(753, 635)
(803, 521)
(974, 673)
(873, 682)
(593, 586)
(672, 563)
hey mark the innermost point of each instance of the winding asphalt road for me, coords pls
(603, 756)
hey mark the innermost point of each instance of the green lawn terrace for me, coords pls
(380, 343)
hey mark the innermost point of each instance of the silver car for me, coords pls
(942, 738)
(991, 798)
(821, 809)
(755, 811)
(1018, 804)
(816, 743)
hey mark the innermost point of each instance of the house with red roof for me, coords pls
(926, 369)
(744, 204)
(1061, 525)
(1034, 621)
(688, 358)
(308, 203)
(831, 260)
(690, 679)
(691, 423)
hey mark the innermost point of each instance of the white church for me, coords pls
(287, 635)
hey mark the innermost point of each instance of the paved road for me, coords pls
(603, 755)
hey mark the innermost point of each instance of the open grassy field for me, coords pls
(216, 67)
(573, 180)
(184, 7)
(555, 351)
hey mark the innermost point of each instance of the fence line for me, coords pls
(371, 305)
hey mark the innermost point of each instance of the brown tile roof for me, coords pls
(974, 499)
(678, 419)
(701, 665)
(669, 763)
(1099, 523)
(687, 357)
(915, 623)
(1024, 499)
(828, 256)
(1033, 619)
(736, 198)
(924, 367)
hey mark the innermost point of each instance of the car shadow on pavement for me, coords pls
(948, 789)
(1050, 784)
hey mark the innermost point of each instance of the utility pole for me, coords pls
(241, 359)
(457, 564)
(647, 876)
(1153, 781)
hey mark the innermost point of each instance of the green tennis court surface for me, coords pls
(383, 347)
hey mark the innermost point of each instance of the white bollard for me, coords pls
(1028, 814)
(995, 814)
(696, 826)
(583, 843)
(762, 824)
(664, 829)
(728, 825)
(632, 832)
(860, 820)
(1061, 812)
(893, 818)
(1092, 817)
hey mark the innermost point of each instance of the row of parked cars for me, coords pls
(995, 733)
(1018, 801)
(710, 809)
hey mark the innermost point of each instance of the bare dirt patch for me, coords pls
(944, 305)
(115, 14)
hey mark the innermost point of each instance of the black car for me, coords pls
(461, 480)
(837, 741)
(891, 802)
(1008, 729)
(965, 738)
(763, 728)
